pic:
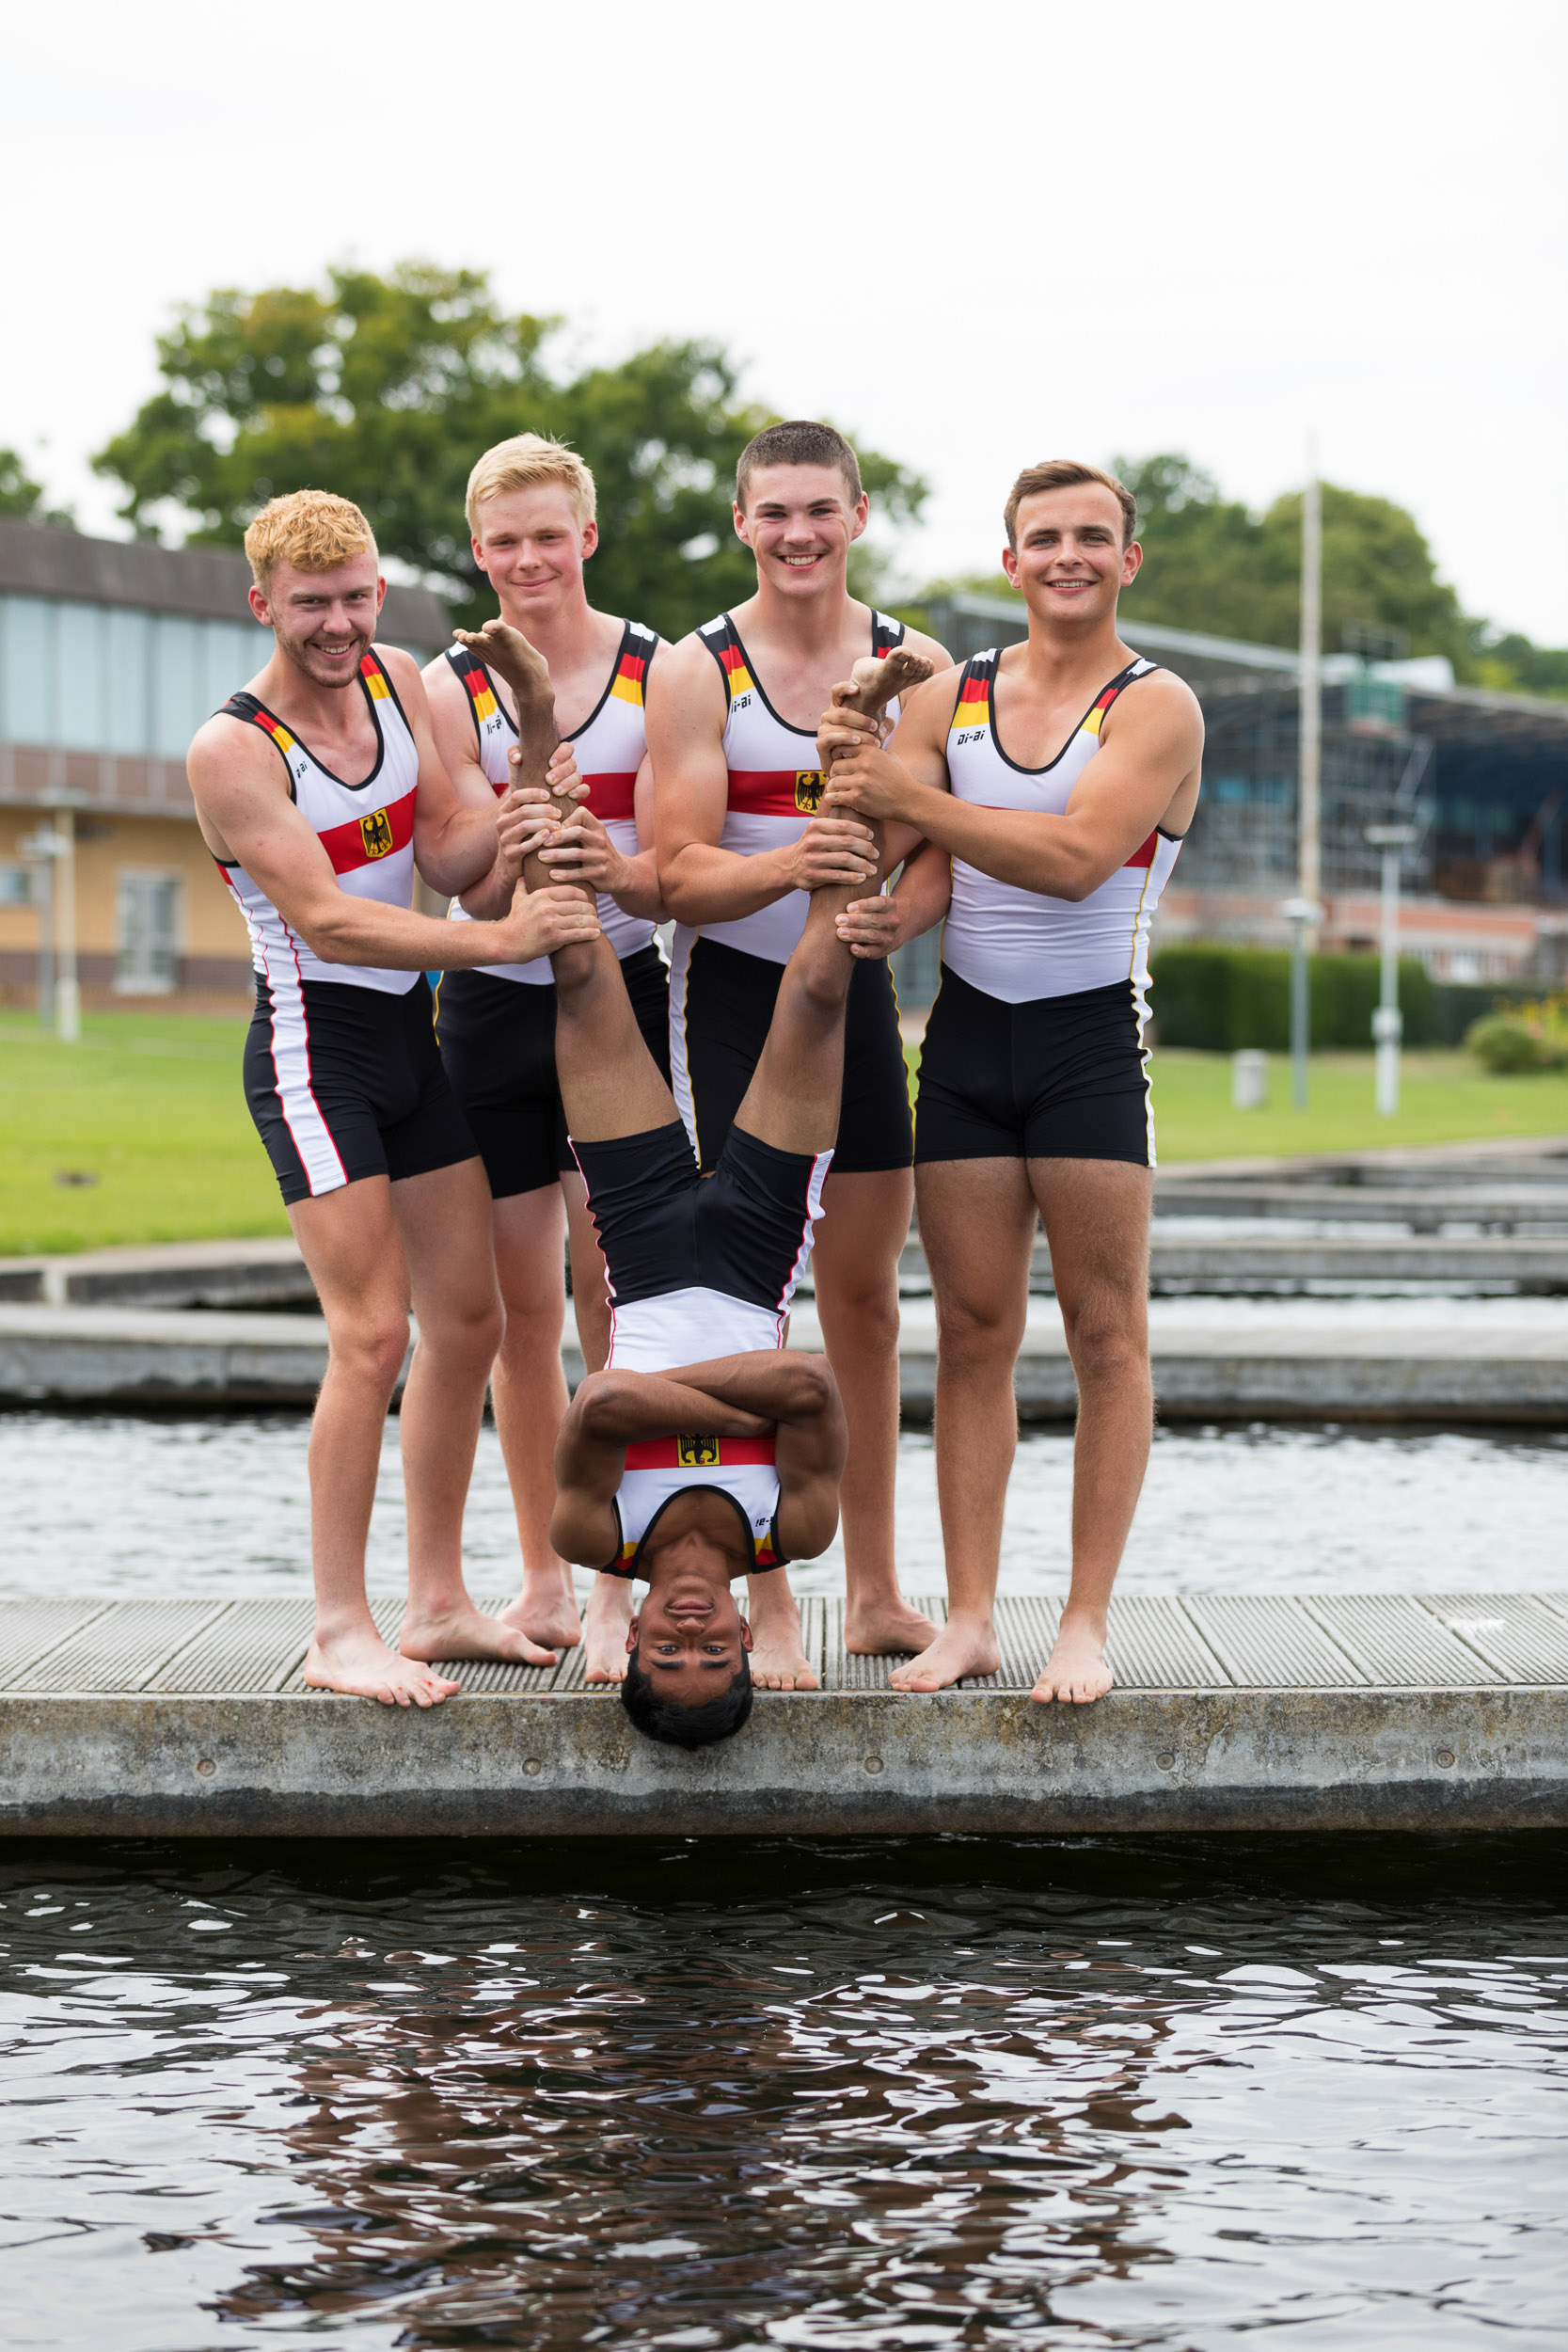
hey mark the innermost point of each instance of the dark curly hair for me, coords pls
(665, 1719)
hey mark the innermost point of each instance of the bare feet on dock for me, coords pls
(359, 1664)
(886, 1629)
(507, 651)
(1076, 1669)
(547, 1607)
(465, 1631)
(965, 1645)
(605, 1628)
(779, 1661)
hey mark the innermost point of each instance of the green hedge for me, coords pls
(1221, 998)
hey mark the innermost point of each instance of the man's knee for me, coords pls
(1108, 1341)
(973, 1330)
(370, 1344)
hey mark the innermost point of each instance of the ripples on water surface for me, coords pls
(916, 2094)
(121, 1504)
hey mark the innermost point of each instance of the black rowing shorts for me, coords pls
(745, 1231)
(498, 1041)
(722, 1005)
(1059, 1078)
(346, 1081)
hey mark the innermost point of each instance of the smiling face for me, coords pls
(689, 1635)
(799, 523)
(324, 622)
(533, 548)
(1071, 563)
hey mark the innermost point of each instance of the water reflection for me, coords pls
(922, 2093)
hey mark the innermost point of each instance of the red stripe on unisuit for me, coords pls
(768, 791)
(1146, 855)
(347, 846)
(664, 1454)
(612, 791)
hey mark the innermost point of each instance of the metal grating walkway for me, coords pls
(1194, 1642)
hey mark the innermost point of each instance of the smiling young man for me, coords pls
(1059, 776)
(319, 791)
(742, 845)
(704, 1451)
(531, 511)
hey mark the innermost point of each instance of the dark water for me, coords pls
(931, 2094)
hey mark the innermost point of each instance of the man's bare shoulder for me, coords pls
(1161, 703)
(402, 670)
(686, 672)
(234, 752)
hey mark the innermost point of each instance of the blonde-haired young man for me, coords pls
(742, 843)
(1058, 776)
(319, 791)
(531, 511)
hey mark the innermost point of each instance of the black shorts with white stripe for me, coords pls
(345, 1082)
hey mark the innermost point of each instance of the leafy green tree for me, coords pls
(1512, 664)
(1211, 565)
(387, 388)
(22, 498)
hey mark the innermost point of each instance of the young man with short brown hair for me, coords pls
(742, 842)
(1034, 1088)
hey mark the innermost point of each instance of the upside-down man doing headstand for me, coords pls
(703, 1452)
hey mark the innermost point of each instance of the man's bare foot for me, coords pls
(547, 1607)
(1076, 1669)
(876, 679)
(779, 1661)
(465, 1631)
(507, 651)
(605, 1626)
(882, 1628)
(360, 1665)
(965, 1645)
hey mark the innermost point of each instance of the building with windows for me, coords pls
(112, 653)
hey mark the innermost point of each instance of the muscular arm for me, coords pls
(701, 882)
(456, 742)
(248, 818)
(1146, 772)
(735, 1396)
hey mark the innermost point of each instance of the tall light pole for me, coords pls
(1303, 912)
(1387, 1021)
(68, 997)
(37, 849)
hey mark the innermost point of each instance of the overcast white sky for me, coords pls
(975, 236)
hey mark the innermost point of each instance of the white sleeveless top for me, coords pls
(1020, 945)
(610, 747)
(773, 796)
(689, 1327)
(365, 828)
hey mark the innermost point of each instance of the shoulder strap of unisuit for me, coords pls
(637, 648)
(246, 707)
(885, 633)
(1135, 669)
(973, 707)
(724, 646)
(484, 702)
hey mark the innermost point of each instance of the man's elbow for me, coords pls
(813, 1390)
(331, 931)
(600, 1404)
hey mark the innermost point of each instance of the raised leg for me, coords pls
(864, 1229)
(589, 1300)
(1097, 1217)
(444, 1219)
(977, 1223)
(349, 1240)
(528, 1393)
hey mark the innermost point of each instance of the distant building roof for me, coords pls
(206, 583)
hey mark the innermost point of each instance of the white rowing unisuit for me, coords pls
(1020, 945)
(365, 828)
(609, 748)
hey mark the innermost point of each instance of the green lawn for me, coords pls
(149, 1105)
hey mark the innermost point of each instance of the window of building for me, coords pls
(16, 886)
(149, 911)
